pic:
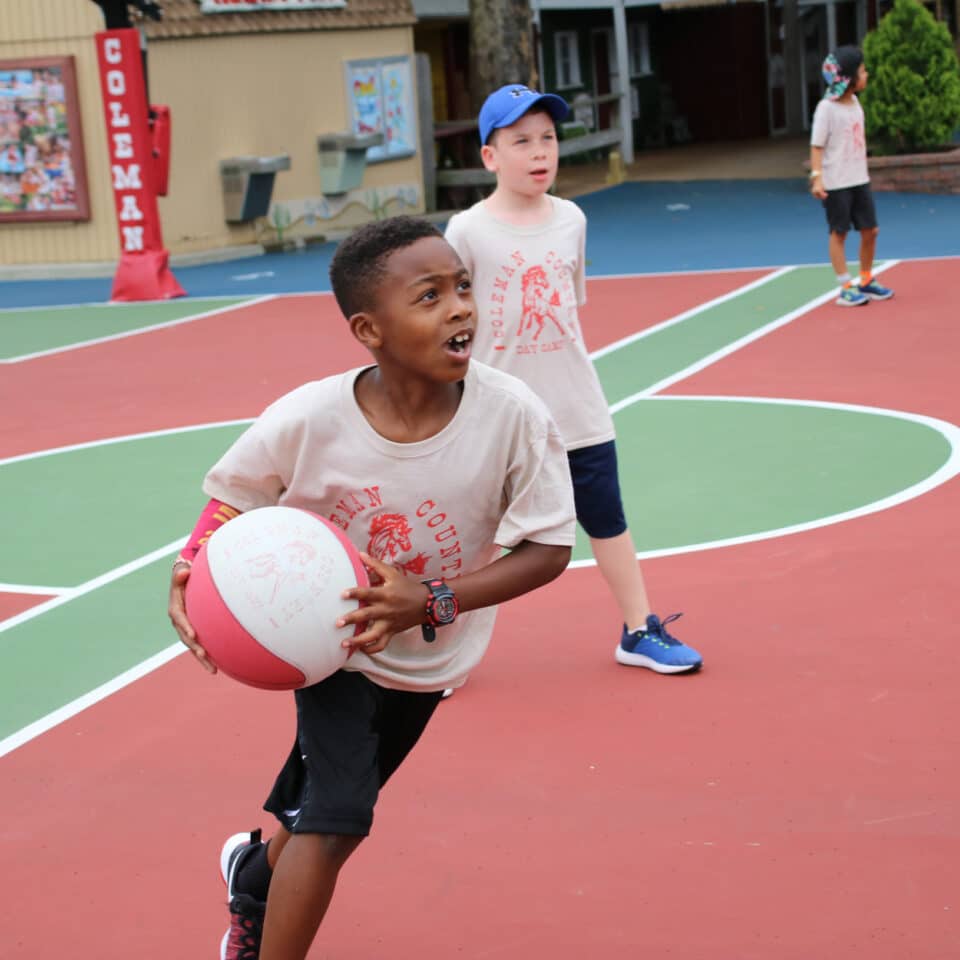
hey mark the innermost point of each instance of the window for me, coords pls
(567, 53)
(638, 47)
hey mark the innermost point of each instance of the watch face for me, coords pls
(445, 610)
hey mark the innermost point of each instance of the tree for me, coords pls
(116, 13)
(501, 46)
(912, 99)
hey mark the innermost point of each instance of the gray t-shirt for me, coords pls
(497, 474)
(838, 128)
(528, 283)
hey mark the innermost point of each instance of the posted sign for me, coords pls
(143, 272)
(242, 6)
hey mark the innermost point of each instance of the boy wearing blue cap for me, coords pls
(525, 251)
(839, 176)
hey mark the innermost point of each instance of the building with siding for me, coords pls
(259, 83)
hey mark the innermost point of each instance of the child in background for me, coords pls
(839, 175)
(525, 251)
(432, 466)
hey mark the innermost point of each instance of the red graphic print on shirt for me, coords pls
(390, 534)
(537, 308)
(390, 538)
(543, 296)
(859, 141)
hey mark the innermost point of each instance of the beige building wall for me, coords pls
(56, 28)
(262, 95)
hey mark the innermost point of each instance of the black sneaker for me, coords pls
(243, 936)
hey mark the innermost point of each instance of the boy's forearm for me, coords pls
(215, 514)
(816, 161)
(528, 566)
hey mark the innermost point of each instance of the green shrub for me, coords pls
(912, 99)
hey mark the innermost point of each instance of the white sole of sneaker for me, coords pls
(847, 303)
(231, 844)
(639, 660)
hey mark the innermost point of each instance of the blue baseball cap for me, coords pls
(510, 103)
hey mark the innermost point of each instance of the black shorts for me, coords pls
(851, 205)
(596, 490)
(351, 736)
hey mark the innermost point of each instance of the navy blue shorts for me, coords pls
(352, 734)
(596, 490)
(850, 205)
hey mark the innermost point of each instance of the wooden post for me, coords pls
(623, 80)
(428, 159)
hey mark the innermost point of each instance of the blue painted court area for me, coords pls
(715, 224)
(633, 228)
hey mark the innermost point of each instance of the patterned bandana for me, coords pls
(836, 82)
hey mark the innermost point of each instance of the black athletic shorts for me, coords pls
(596, 490)
(351, 736)
(851, 205)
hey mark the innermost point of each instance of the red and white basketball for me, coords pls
(264, 594)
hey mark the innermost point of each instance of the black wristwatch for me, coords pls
(442, 608)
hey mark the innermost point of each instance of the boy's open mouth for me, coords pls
(459, 342)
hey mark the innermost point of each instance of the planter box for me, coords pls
(917, 172)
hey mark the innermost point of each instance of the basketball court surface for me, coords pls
(789, 469)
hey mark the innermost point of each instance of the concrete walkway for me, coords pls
(766, 159)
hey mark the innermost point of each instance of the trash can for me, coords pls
(248, 184)
(343, 158)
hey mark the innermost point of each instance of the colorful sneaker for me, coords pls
(243, 936)
(851, 297)
(656, 649)
(873, 291)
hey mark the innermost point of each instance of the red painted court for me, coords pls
(796, 799)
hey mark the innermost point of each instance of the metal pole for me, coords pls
(793, 54)
(623, 80)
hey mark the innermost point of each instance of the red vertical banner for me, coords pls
(143, 272)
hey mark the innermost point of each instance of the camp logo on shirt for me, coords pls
(390, 538)
(546, 305)
(390, 535)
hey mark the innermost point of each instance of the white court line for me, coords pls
(712, 358)
(109, 441)
(92, 585)
(53, 719)
(80, 344)
(687, 314)
(34, 590)
(947, 471)
(117, 304)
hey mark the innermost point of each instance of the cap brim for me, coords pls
(557, 107)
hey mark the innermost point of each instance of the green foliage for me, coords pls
(280, 219)
(912, 99)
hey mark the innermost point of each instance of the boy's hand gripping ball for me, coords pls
(265, 592)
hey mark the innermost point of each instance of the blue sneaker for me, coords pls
(851, 297)
(873, 291)
(655, 649)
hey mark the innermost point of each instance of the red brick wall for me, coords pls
(917, 173)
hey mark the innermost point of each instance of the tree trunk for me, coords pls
(501, 47)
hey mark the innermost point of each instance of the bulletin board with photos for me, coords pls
(42, 167)
(380, 100)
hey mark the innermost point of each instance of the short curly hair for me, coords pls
(359, 263)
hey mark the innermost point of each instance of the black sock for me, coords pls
(253, 874)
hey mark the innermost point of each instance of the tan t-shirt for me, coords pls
(838, 127)
(497, 474)
(528, 282)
